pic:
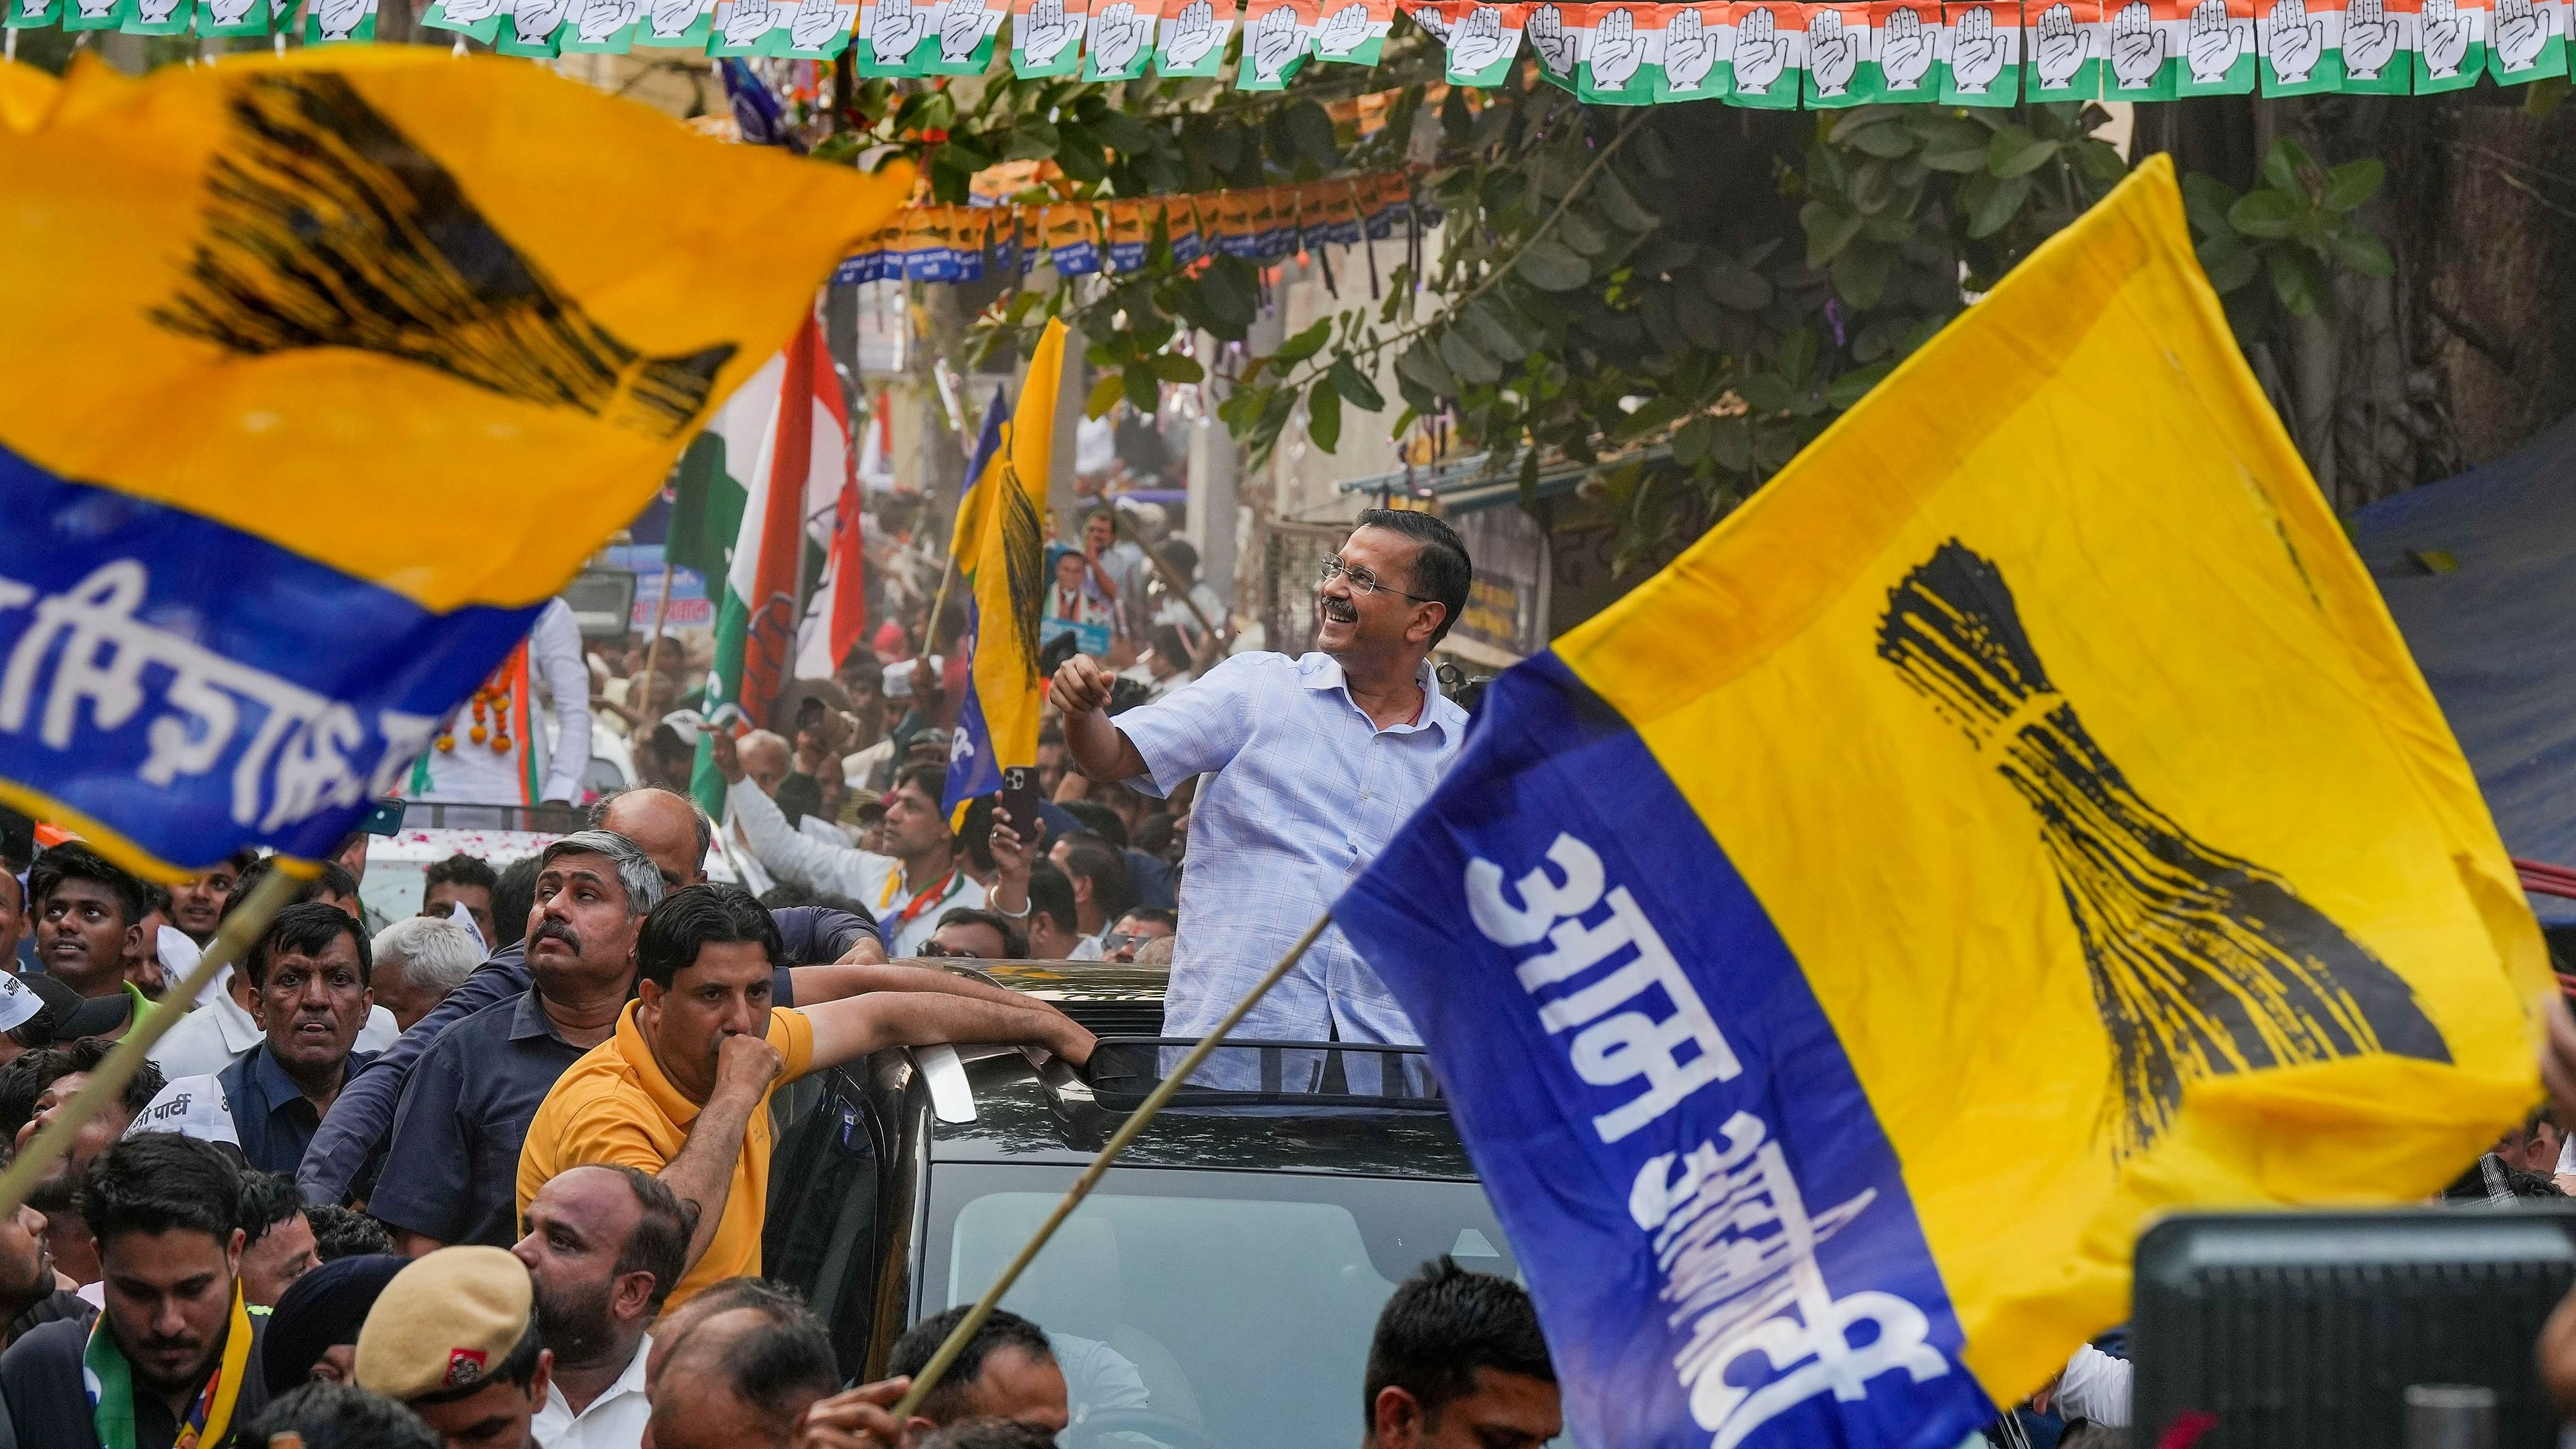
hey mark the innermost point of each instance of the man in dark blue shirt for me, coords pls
(309, 991)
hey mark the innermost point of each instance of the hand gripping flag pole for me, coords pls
(967, 1327)
(246, 924)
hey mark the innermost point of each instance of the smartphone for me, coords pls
(385, 819)
(1020, 803)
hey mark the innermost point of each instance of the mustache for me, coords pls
(1341, 610)
(551, 929)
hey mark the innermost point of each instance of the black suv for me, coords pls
(1218, 1288)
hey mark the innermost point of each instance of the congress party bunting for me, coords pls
(1762, 54)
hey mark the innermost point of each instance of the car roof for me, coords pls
(1028, 1114)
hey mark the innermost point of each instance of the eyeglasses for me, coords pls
(1121, 941)
(1362, 581)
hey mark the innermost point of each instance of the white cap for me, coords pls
(19, 1002)
(192, 1107)
(456, 912)
(179, 956)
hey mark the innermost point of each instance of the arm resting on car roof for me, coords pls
(851, 1028)
(831, 983)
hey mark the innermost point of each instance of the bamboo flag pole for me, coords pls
(246, 924)
(928, 1378)
(1171, 575)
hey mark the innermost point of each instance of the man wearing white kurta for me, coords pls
(909, 889)
(472, 772)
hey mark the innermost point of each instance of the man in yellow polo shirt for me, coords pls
(682, 1089)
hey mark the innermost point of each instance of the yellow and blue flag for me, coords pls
(2020, 817)
(1000, 553)
(317, 377)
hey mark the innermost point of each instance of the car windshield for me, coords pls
(1205, 1310)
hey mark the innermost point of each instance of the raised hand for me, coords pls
(1194, 33)
(2057, 47)
(1117, 34)
(2212, 42)
(2294, 42)
(1273, 42)
(1433, 23)
(2369, 39)
(900, 24)
(1905, 52)
(960, 31)
(1617, 50)
(1343, 31)
(814, 23)
(1976, 52)
(2136, 48)
(2521, 29)
(1553, 43)
(1833, 52)
(2446, 37)
(1761, 51)
(1690, 50)
(1046, 30)
(1478, 42)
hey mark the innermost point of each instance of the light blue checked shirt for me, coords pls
(1305, 791)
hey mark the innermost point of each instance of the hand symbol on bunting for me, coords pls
(2136, 48)
(2521, 31)
(672, 18)
(599, 20)
(1046, 31)
(1551, 41)
(1905, 53)
(2295, 43)
(1479, 42)
(746, 22)
(960, 31)
(1833, 52)
(2057, 47)
(340, 19)
(1117, 34)
(1761, 52)
(1273, 42)
(1617, 50)
(1343, 31)
(2213, 43)
(1433, 23)
(154, 12)
(1194, 33)
(900, 24)
(1976, 52)
(1690, 50)
(2446, 37)
(813, 24)
(227, 12)
(2369, 39)
(532, 21)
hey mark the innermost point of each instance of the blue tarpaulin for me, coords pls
(2480, 571)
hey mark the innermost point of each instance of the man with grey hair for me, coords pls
(451, 1174)
(419, 960)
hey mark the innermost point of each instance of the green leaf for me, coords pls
(1105, 394)
(2353, 183)
(1311, 129)
(2205, 199)
(1122, 131)
(2016, 152)
(2229, 262)
(1484, 324)
(1829, 230)
(2297, 280)
(1730, 445)
(2269, 215)
(1764, 392)
(1173, 367)
(1886, 139)
(1999, 206)
(1304, 345)
(1796, 356)
(1031, 139)
(1742, 290)
(1691, 441)
(1468, 361)
(1619, 208)
(1860, 275)
(1582, 234)
(2283, 169)
(1354, 385)
(1324, 415)
(1847, 389)
(1551, 266)
(2361, 250)
(1144, 389)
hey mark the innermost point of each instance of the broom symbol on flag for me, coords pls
(329, 228)
(2201, 963)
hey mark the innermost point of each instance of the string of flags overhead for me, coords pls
(1259, 224)
(1775, 54)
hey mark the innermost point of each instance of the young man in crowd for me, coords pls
(172, 1359)
(197, 906)
(1008, 1370)
(460, 880)
(605, 1245)
(419, 960)
(977, 936)
(681, 1088)
(1458, 1362)
(454, 1338)
(277, 1241)
(741, 1378)
(1101, 892)
(1133, 930)
(916, 881)
(89, 924)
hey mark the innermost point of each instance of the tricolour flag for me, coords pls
(786, 454)
(2020, 817)
(1000, 550)
(318, 376)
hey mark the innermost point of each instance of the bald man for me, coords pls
(741, 1377)
(675, 837)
